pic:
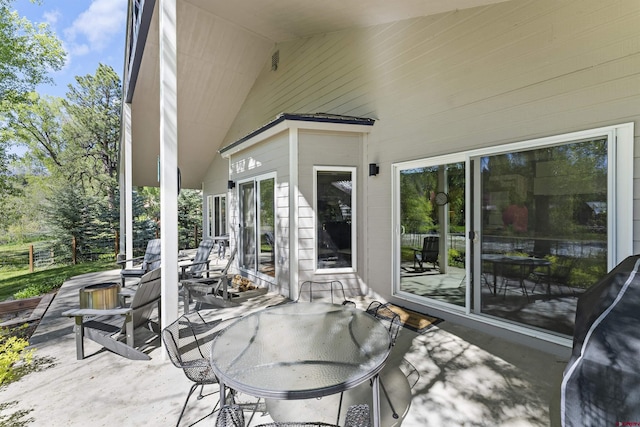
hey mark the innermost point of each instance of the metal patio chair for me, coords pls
(310, 287)
(357, 416)
(382, 312)
(188, 343)
(230, 416)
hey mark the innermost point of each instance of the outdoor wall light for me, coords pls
(231, 185)
(374, 169)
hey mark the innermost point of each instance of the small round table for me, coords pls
(301, 351)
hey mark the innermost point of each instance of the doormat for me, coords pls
(415, 321)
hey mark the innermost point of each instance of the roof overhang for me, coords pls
(222, 47)
(286, 121)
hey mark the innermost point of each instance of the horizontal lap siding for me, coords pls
(324, 149)
(468, 79)
(269, 156)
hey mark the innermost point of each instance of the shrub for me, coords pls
(39, 288)
(456, 258)
(13, 356)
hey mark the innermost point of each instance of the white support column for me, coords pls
(168, 160)
(293, 213)
(126, 190)
(443, 219)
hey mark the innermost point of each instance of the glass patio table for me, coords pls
(524, 263)
(301, 351)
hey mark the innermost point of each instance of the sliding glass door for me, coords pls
(257, 225)
(515, 232)
(247, 242)
(431, 214)
(543, 231)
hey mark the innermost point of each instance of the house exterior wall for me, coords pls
(215, 183)
(463, 80)
(269, 156)
(325, 149)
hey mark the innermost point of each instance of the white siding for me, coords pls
(473, 78)
(324, 149)
(272, 155)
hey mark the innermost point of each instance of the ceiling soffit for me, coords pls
(222, 47)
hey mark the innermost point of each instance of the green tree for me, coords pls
(415, 207)
(71, 214)
(73, 141)
(93, 130)
(36, 123)
(189, 218)
(28, 53)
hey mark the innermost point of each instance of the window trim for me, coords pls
(212, 219)
(354, 222)
(208, 217)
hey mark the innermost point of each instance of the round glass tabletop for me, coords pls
(300, 351)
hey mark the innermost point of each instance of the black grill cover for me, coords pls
(601, 383)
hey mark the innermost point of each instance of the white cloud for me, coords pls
(94, 28)
(51, 17)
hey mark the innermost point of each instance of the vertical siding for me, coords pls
(473, 78)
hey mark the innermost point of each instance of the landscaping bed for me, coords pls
(17, 313)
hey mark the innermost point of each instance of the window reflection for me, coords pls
(544, 231)
(334, 219)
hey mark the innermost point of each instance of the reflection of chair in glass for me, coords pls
(428, 253)
(188, 343)
(558, 274)
(383, 313)
(513, 275)
(150, 261)
(199, 263)
(321, 289)
(334, 244)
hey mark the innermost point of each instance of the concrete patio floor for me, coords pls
(467, 378)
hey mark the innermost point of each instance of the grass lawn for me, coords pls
(12, 281)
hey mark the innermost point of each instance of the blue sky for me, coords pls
(92, 32)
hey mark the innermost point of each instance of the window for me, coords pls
(257, 225)
(548, 219)
(216, 215)
(335, 196)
